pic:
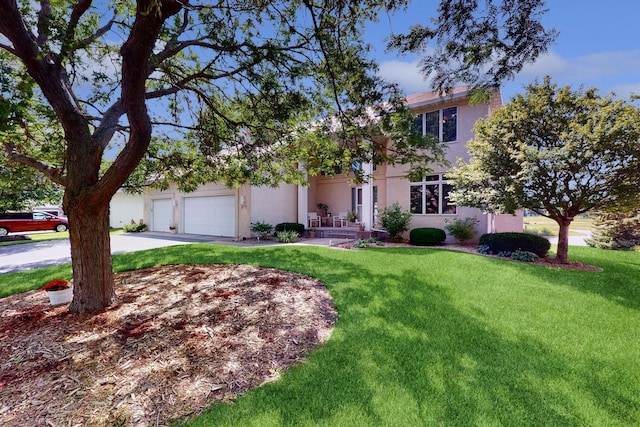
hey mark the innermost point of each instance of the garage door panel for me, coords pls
(162, 215)
(214, 216)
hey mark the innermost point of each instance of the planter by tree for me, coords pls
(59, 292)
(555, 151)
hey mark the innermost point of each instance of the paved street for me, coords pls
(55, 252)
(574, 240)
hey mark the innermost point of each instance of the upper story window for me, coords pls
(441, 123)
(431, 196)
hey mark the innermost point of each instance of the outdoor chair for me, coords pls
(313, 218)
(341, 219)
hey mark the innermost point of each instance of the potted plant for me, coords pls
(172, 228)
(59, 291)
(352, 216)
(312, 232)
(324, 208)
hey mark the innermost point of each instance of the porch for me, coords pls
(349, 232)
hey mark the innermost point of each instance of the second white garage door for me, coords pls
(213, 216)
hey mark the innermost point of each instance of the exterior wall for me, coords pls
(505, 222)
(468, 115)
(335, 192)
(397, 185)
(272, 205)
(124, 208)
(212, 189)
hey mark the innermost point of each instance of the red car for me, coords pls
(13, 222)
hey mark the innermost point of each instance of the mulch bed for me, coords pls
(181, 338)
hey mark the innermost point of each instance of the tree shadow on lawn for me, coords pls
(618, 282)
(405, 353)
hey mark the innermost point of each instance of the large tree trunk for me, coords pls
(90, 256)
(563, 240)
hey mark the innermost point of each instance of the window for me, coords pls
(441, 123)
(431, 196)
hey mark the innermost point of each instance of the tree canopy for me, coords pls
(22, 188)
(478, 45)
(189, 92)
(557, 151)
(236, 91)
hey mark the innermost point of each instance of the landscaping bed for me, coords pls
(181, 338)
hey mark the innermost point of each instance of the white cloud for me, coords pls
(406, 74)
(588, 67)
(616, 71)
(626, 90)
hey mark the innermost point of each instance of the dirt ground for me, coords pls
(182, 337)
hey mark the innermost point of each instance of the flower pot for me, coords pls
(63, 296)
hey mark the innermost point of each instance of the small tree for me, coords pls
(615, 230)
(555, 151)
(395, 221)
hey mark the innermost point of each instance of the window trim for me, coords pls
(440, 182)
(441, 122)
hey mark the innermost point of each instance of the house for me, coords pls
(221, 211)
(125, 207)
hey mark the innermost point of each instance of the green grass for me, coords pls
(548, 227)
(53, 235)
(433, 337)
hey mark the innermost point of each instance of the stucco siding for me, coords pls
(272, 205)
(124, 208)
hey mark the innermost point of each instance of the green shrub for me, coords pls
(394, 220)
(262, 229)
(544, 231)
(510, 242)
(427, 236)
(462, 229)
(365, 243)
(288, 236)
(524, 256)
(135, 227)
(290, 226)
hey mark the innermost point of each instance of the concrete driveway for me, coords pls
(54, 252)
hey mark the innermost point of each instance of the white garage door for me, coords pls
(162, 215)
(213, 216)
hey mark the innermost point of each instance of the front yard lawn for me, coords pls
(435, 337)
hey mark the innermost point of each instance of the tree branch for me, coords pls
(54, 174)
(43, 22)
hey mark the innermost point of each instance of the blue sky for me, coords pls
(598, 46)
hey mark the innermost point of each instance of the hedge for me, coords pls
(510, 242)
(427, 236)
(290, 226)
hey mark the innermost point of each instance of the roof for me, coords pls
(420, 99)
